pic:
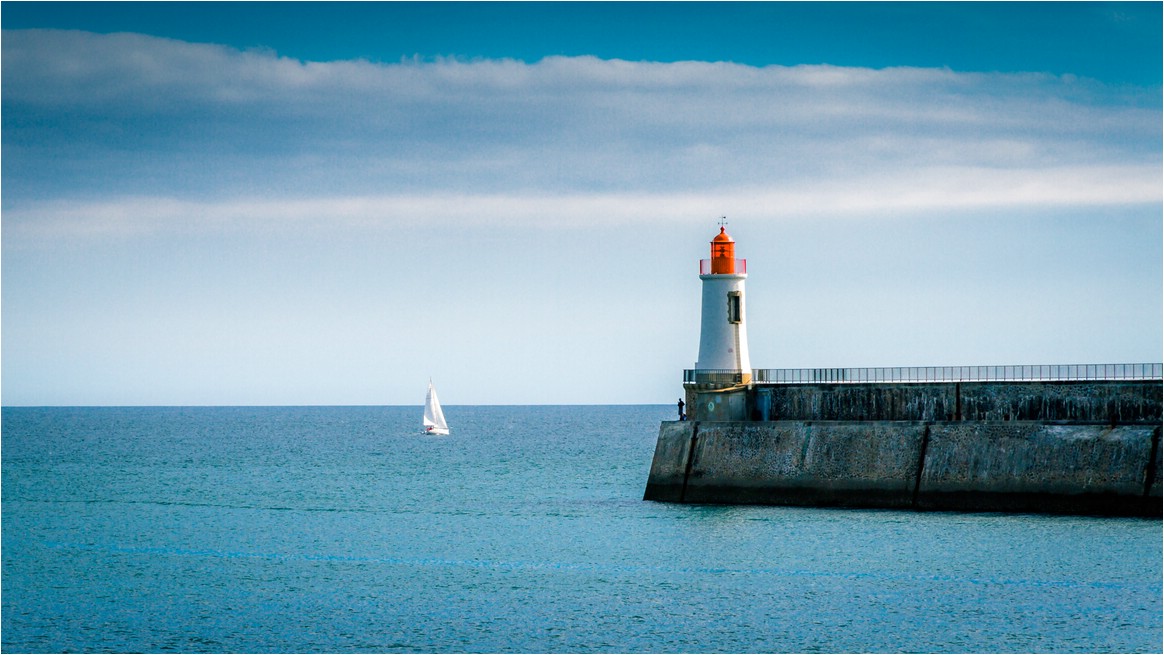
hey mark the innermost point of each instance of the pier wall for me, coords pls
(1063, 447)
(1113, 402)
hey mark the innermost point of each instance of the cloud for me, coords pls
(123, 122)
(935, 191)
(178, 217)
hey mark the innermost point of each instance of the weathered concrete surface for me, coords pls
(1099, 401)
(1154, 487)
(1108, 401)
(856, 464)
(857, 402)
(669, 466)
(977, 466)
(1029, 466)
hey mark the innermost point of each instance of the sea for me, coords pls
(344, 529)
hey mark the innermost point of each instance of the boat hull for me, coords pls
(432, 429)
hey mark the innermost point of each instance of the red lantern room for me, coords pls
(723, 254)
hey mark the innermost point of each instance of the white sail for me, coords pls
(434, 417)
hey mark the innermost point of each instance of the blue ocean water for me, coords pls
(342, 529)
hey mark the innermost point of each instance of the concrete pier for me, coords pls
(1056, 447)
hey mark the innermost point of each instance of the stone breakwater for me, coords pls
(1112, 402)
(1063, 447)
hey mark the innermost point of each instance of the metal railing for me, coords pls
(1034, 373)
(741, 267)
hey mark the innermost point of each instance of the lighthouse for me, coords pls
(717, 389)
(723, 332)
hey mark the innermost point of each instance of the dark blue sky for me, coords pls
(1112, 42)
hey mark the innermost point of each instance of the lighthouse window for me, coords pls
(734, 307)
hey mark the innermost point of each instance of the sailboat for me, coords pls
(434, 418)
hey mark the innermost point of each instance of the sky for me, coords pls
(316, 204)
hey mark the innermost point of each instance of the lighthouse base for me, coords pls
(710, 403)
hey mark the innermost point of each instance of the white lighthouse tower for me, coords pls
(723, 332)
